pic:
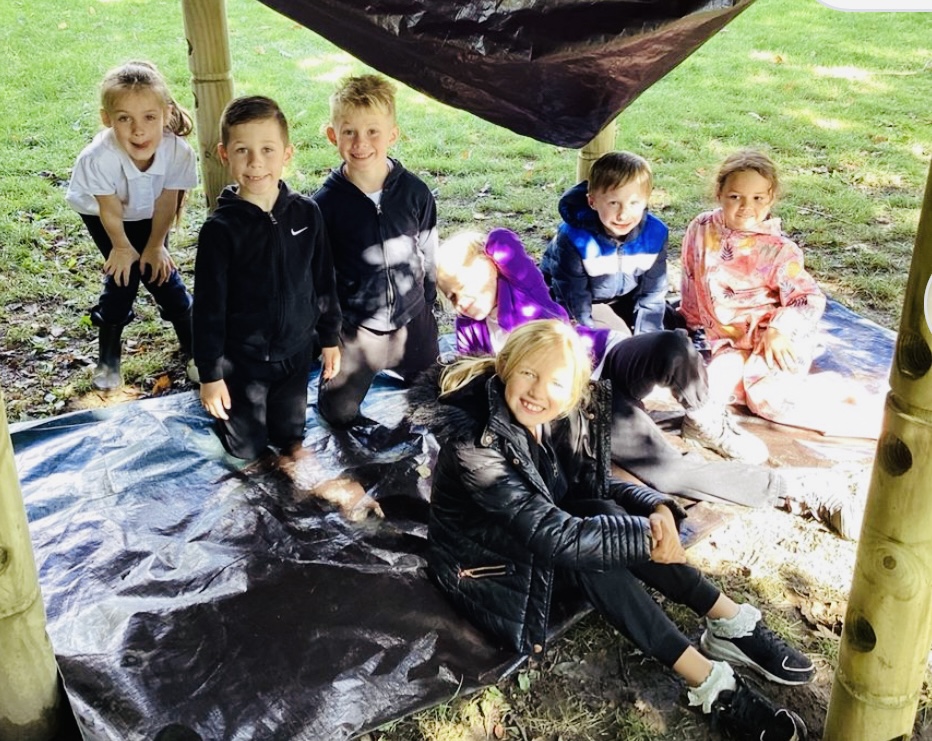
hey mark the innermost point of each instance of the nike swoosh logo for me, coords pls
(296, 232)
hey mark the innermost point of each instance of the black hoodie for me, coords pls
(263, 282)
(383, 255)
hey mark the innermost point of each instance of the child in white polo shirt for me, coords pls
(128, 185)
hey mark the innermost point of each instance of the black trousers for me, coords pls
(115, 305)
(268, 404)
(406, 351)
(620, 597)
(668, 358)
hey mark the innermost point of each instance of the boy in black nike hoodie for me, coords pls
(264, 282)
(382, 223)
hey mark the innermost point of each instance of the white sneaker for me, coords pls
(713, 428)
(826, 496)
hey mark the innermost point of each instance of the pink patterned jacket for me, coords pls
(736, 284)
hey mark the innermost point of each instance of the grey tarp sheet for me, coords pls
(554, 70)
(181, 589)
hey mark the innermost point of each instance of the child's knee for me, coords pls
(336, 410)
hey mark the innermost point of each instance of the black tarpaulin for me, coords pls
(554, 70)
(186, 591)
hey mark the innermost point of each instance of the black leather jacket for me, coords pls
(496, 535)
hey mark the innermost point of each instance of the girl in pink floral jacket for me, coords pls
(744, 284)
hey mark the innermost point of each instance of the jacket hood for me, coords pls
(230, 198)
(453, 415)
(336, 178)
(577, 213)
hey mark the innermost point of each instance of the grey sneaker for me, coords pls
(716, 430)
(825, 496)
(764, 652)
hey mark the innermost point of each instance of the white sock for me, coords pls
(720, 679)
(740, 625)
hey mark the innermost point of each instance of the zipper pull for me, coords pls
(480, 572)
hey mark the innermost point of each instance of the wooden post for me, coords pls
(888, 624)
(205, 26)
(29, 698)
(603, 143)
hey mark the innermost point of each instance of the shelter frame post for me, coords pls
(205, 25)
(29, 696)
(888, 624)
(602, 143)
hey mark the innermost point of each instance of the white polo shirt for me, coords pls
(103, 168)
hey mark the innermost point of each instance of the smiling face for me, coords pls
(745, 197)
(540, 388)
(256, 154)
(620, 209)
(362, 136)
(469, 281)
(138, 121)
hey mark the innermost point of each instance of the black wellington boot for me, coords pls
(107, 374)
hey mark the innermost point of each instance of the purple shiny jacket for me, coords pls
(522, 297)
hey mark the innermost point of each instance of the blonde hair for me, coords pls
(533, 338)
(363, 91)
(748, 159)
(457, 252)
(616, 169)
(136, 76)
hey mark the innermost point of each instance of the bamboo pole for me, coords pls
(29, 698)
(205, 26)
(602, 143)
(888, 624)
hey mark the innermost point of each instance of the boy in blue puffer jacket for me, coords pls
(607, 264)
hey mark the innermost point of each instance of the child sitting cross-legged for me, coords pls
(746, 287)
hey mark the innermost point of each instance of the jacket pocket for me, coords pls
(486, 572)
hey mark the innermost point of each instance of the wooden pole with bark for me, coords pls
(888, 624)
(205, 26)
(602, 143)
(29, 697)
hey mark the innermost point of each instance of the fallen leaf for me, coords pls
(161, 385)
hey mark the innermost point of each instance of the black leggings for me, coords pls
(620, 597)
(115, 305)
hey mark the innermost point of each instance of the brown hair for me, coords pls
(251, 108)
(615, 169)
(748, 159)
(363, 91)
(136, 76)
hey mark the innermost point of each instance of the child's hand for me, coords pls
(776, 348)
(120, 263)
(216, 398)
(667, 545)
(159, 262)
(332, 359)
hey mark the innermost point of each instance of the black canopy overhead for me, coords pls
(554, 70)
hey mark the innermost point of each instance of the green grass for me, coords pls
(839, 99)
